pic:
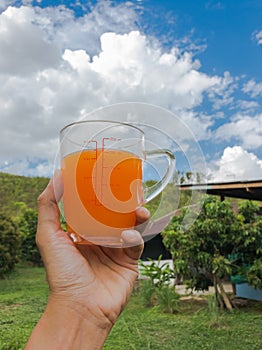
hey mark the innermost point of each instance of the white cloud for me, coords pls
(247, 105)
(222, 94)
(27, 168)
(55, 67)
(4, 4)
(22, 46)
(257, 35)
(214, 5)
(252, 88)
(236, 164)
(247, 130)
(61, 26)
(43, 87)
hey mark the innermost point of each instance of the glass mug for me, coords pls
(102, 170)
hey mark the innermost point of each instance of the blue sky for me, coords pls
(227, 28)
(199, 59)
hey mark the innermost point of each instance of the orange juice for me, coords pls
(102, 189)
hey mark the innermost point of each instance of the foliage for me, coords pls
(203, 254)
(167, 299)
(254, 274)
(147, 291)
(9, 245)
(18, 200)
(157, 290)
(14, 188)
(249, 250)
(28, 227)
(248, 210)
(159, 273)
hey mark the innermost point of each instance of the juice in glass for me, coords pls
(102, 188)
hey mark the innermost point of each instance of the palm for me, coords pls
(100, 277)
(95, 277)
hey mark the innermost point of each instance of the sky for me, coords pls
(200, 60)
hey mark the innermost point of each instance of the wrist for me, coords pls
(86, 312)
(69, 326)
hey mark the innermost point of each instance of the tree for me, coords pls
(9, 245)
(28, 227)
(219, 243)
(250, 244)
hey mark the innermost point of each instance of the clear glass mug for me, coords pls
(102, 169)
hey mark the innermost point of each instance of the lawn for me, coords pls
(24, 293)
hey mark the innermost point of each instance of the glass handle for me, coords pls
(154, 190)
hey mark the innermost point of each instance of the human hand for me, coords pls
(91, 282)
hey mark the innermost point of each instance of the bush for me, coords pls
(28, 227)
(159, 273)
(10, 241)
(156, 290)
(168, 299)
(147, 291)
(219, 244)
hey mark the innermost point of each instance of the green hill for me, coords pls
(16, 189)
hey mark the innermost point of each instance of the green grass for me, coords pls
(23, 297)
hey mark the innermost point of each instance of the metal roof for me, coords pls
(251, 190)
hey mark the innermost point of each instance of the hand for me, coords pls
(91, 282)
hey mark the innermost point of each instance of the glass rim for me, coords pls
(66, 127)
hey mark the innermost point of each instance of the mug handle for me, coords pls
(154, 190)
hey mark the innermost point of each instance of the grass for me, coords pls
(24, 293)
(23, 296)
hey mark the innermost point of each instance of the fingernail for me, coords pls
(131, 236)
(144, 210)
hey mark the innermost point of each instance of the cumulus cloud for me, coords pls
(257, 35)
(45, 84)
(23, 49)
(243, 129)
(222, 94)
(237, 164)
(247, 105)
(62, 27)
(55, 68)
(252, 88)
(131, 67)
(29, 167)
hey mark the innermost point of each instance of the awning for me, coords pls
(251, 190)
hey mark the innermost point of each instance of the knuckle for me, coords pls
(41, 199)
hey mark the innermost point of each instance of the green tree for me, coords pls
(219, 243)
(250, 244)
(9, 245)
(28, 227)
(14, 189)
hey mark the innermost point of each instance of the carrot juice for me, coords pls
(102, 189)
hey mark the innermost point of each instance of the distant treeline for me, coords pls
(16, 189)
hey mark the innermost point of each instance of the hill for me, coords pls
(16, 189)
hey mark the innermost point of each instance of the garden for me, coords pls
(193, 323)
(221, 246)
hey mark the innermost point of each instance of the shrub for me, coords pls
(148, 292)
(156, 290)
(10, 241)
(28, 227)
(159, 273)
(168, 299)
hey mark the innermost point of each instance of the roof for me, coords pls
(251, 190)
